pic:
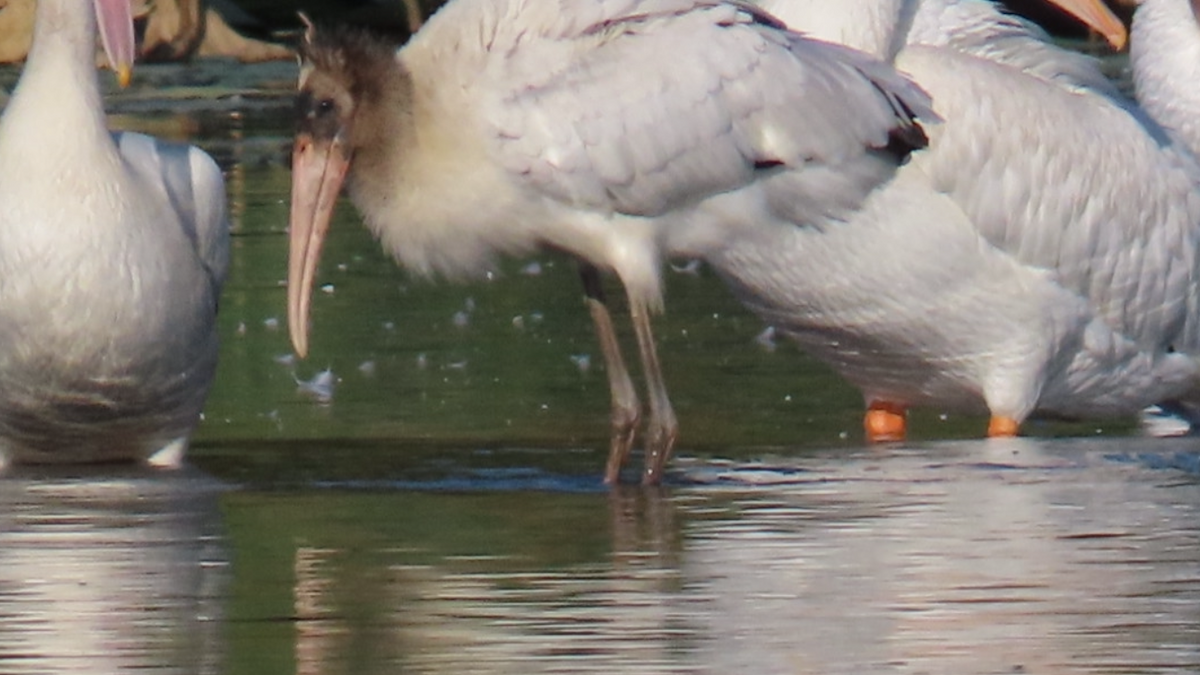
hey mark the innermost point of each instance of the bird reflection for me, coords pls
(109, 573)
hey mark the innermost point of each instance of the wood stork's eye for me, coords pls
(318, 115)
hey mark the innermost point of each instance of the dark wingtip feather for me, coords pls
(908, 135)
(906, 139)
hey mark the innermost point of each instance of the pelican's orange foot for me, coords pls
(1003, 427)
(885, 422)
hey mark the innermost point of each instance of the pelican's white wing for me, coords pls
(730, 95)
(1068, 182)
(191, 184)
(1164, 54)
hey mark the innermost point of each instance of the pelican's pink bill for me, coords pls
(115, 21)
(1097, 16)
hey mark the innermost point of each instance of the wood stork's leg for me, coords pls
(661, 427)
(626, 410)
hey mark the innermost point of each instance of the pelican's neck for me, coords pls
(1164, 52)
(877, 27)
(58, 90)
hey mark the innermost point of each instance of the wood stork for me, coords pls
(616, 131)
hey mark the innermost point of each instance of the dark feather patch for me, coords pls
(906, 139)
(348, 53)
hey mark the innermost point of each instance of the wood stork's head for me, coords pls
(345, 78)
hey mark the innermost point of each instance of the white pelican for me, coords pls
(1039, 256)
(1164, 53)
(112, 252)
(604, 129)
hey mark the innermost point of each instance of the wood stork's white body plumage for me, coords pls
(113, 248)
(617, 131)
(1039, 256)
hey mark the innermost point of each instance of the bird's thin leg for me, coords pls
(662, 426)
(625, 407)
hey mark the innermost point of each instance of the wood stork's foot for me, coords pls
(885, 421)
(1003, 427)
(170, 456)
(660, 439)
(624, 428)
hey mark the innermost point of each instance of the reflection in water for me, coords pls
(106, 574)
(973, 557)
(1021, 557)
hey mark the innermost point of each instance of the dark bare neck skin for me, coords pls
(383, 130)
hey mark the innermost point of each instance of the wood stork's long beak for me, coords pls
(115, 19)
(1098, 17)
(319, 167)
